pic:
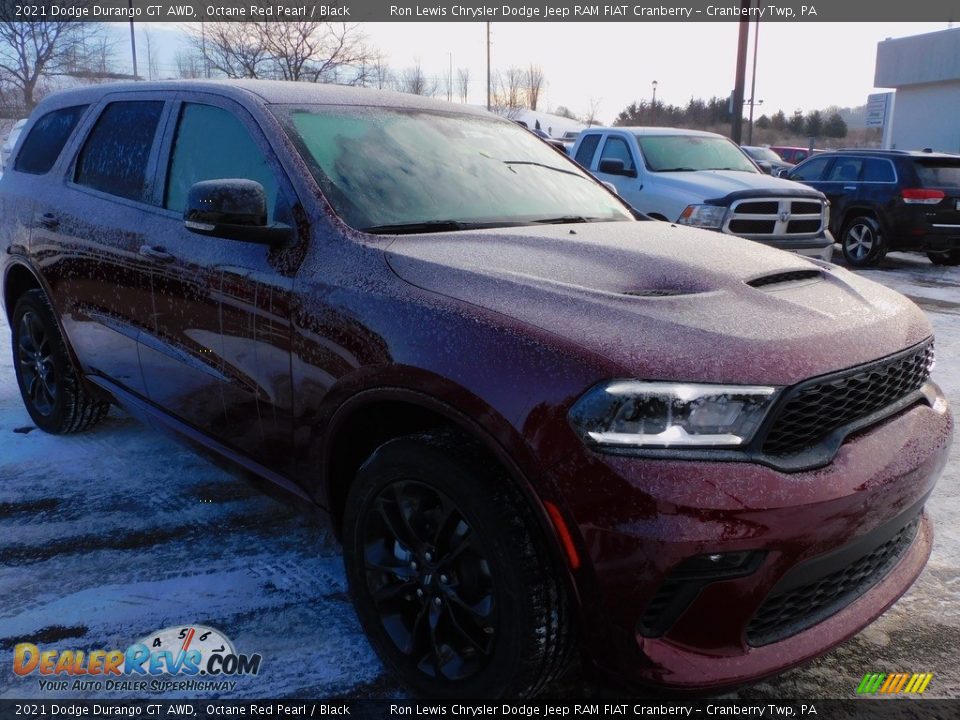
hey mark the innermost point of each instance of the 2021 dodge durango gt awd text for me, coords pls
(539, 425)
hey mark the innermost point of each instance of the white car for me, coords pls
(705, 180)
(7, 147)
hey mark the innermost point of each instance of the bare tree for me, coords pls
(380, 74)
(318, 51)
(590, 117)
(414, 81)
(235, 49)
(463, 83)
(535, 81)
(508, 93)
(31, 51)
(189, 64)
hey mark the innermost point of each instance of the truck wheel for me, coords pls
(950, 257)
(862, 242)
(49, 384)
(450, 576)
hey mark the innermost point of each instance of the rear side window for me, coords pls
(212, 144)
(875, 170)
(845, 170)
(114, 158)
(810, 170)
(587, 149)
(42, 146)
(935, 174)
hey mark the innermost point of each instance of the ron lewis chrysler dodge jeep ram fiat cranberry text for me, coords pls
(539, 425)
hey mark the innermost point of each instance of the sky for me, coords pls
(802, 66)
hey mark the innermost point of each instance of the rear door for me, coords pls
(219, 355)
(939, 192)
(90, 224)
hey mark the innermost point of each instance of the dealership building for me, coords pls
(924, 70)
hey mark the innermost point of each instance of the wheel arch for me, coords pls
(371, 417)
(18, 279)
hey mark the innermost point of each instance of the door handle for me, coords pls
(849, 187)
(156, 253)
(49, 220)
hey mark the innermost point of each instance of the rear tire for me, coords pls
(950, 257)
(49, 384)
(450, 575)
(862, 242)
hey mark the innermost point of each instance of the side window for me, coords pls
(845, 170)
(42, 146)
(115, 156)
(810, 170)
(212, 144)
(587, 149)
(616, 148)
(875, 170)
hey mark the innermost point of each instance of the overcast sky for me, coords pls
(800, 65)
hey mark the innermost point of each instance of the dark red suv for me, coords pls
(539, 426)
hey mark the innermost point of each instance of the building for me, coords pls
(925, 72)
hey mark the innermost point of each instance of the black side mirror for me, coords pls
(611, 166)
(234, 209)
(765, 166)
(783, 172)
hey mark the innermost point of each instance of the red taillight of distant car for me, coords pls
(921, 196)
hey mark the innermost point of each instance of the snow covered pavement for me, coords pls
(111, 535)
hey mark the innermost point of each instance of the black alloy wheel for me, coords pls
(450, 574)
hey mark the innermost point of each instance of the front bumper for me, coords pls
(646, 517)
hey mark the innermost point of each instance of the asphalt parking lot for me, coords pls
(108, 536)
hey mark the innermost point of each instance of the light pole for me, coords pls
(653, 103)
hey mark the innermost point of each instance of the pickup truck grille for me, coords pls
(759, 218)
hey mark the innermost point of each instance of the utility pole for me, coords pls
(488, 66)
(736, 124)
(133, 41)
(753, 81)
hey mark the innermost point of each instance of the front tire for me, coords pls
(862, 242)
(451, 578)
(950, 257)
(49, 384)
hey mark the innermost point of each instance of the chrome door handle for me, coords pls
(156, 253)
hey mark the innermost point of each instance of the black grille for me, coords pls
(787, 613)
(805, 208)
(814, 409)
(803, 226)
(759, 207)
(753, 227)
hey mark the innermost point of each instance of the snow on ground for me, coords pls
(108, 536)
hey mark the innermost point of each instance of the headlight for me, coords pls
(703, 216)
(631, 413)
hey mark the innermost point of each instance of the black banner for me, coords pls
(867, 709)
(472, 11)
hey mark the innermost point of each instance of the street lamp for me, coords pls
(653, 103)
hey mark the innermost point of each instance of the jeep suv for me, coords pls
(705, 180)
(889, 200)
(539, 425)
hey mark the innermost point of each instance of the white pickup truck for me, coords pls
(704, 180)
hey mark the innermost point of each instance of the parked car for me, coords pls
(10, 142)
(766, 159)
(705, 180)
(889, 200)
(793, 154)
(539, 425)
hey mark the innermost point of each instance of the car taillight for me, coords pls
(921, 196)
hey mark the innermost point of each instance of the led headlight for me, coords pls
(631, 413)
(703, 216)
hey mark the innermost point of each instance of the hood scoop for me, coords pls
(785, 278)
(658, 292)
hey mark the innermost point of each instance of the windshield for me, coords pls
(391, 170)
(763, 153)
(664, 153)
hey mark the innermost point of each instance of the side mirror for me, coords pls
(611, 187)
(611, 166)
(765, 166)
(234, 209)
(784, 173)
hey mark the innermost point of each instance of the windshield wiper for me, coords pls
(677, 169)
(420, 227)
(563, 219)
(543, 165)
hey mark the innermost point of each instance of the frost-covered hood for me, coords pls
(666, 302)
(717, 184)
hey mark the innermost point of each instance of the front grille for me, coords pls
(775, 217)
(786, 613)
(812, 410)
